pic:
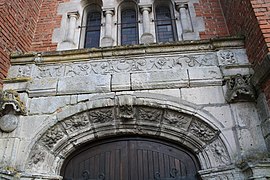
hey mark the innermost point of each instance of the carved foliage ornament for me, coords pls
(202, 131)
(101, 116)
(37, 156)
(52, 136)
(148, 114)
(240, 89)
(76, 122)
(176, 119)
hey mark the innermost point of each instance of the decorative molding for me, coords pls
(227, 57)
(240, 89)
(37, 156)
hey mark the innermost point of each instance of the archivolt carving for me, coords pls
(188, 129)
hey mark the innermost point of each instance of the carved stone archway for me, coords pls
(127, 115)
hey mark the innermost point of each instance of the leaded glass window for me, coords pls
(129, 27)
(92, 30)
(164, 25)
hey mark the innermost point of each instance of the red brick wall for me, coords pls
(215, 24)
(241, 20)
(48, 21)
(18, 20)
(251, 18)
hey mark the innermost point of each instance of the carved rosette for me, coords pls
(240, 89)
(176, 119)
(202, 131)
(227, 57)
(76, 122)
(149, 114)
(52, 136)
(101, 116)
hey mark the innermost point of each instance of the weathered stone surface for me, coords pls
(42, 87)
(157, 80)
(45, 105)
(121, 82)
(84, 84)
(203, 95)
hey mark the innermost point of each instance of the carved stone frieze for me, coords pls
(52, 136)
(202, 131)
(176, 119)
(101, 116)
(24, 71)
(50, 71)
(240, 89)
(119, 65)
(149, 114)
(219, 152)
(76, 123)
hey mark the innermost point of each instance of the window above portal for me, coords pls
(128, 22)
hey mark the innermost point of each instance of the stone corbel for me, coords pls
(10, 106)
(240, 89)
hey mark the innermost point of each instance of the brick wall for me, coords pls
(251, 18)
(48, 21)
(17, 25)
(215, 24)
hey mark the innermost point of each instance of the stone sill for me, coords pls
(134, 50)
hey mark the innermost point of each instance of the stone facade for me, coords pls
(199, 93)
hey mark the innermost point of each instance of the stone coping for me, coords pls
(134, 50)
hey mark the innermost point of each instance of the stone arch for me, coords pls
(107, 117)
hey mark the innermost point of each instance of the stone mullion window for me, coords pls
(92, 35)
(164, 25)
(129, 27)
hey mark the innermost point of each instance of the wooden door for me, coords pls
(131, 159)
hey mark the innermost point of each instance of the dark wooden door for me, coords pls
(131, 159)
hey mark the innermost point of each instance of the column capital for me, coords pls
(179, 5)
(145, 8)
(108, 11)
(73, 14)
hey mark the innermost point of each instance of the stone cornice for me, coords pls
(134, 50)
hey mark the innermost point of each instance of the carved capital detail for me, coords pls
(240, 89)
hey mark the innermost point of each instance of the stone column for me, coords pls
(184, 17)
(146, 37)
(72, 16)
(107, 40)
